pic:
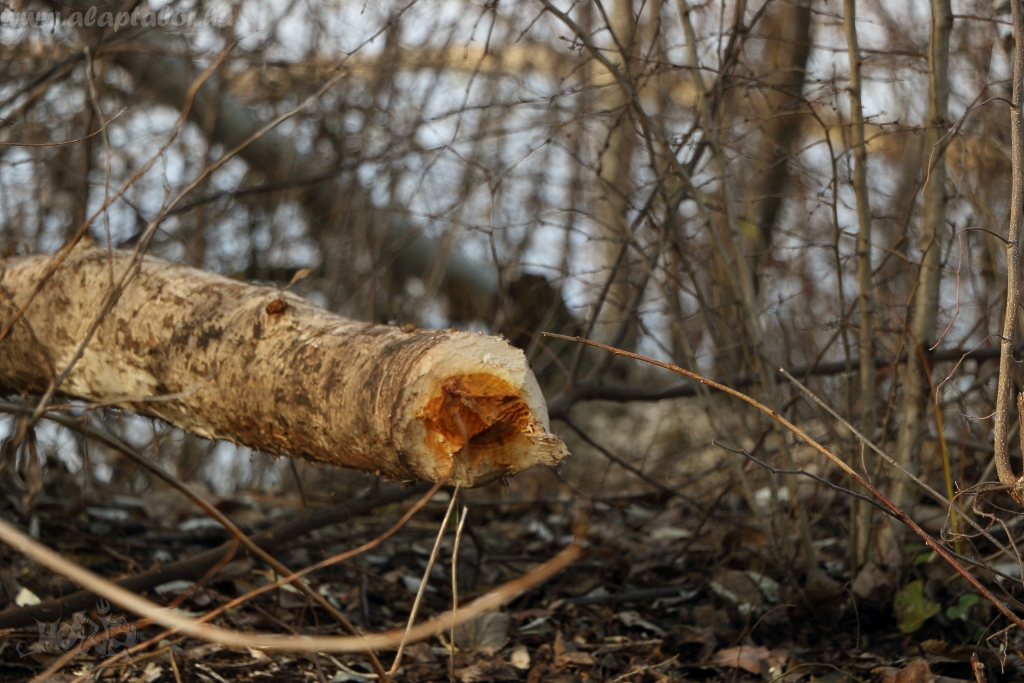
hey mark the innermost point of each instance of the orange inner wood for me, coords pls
(477, 416)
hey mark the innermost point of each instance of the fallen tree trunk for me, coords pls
(264, 368)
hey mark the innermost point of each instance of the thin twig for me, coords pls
(423, 584)
(560, 405)
(935, 495)
(66, 142)
(639, 473)
(61, 255)
(810, 475)
(255, 550)
(36, 551)
(341, 557)
(252, 547)
(898, 513)
(455, 590)
(859, 496)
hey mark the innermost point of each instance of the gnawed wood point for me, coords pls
(264, 368)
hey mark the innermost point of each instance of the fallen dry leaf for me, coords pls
(885, 674)
(520, 658)
(487, 670)
(473, 673)
(486, 634)
(746, 657)
(633, 618)
(872, 583)
(421, 652)
(575, 659)
(916, 671)
(566, 654)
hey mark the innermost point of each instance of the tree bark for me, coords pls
(263, 368)
(862, 510)
(782, 72)
(1004, 387)
(926, 299)
(615, 180)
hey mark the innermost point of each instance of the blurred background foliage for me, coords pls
(677, 178)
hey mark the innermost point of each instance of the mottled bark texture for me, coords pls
(264, 368)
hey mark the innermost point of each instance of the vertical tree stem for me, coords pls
(1005, 385)
(926, 298)
(862, 520)
(746, 293)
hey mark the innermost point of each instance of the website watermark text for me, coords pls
(164, 17)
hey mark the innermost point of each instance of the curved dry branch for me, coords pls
(196, 566)
(36, 551)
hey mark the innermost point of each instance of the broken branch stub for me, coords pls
(264, 368)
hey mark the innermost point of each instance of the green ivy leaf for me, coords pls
(912, 608)
(921, 558)
(959, 610)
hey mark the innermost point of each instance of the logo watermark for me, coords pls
(106, 637)
(166, 16)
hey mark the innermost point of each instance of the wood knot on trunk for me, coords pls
(277, 307)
